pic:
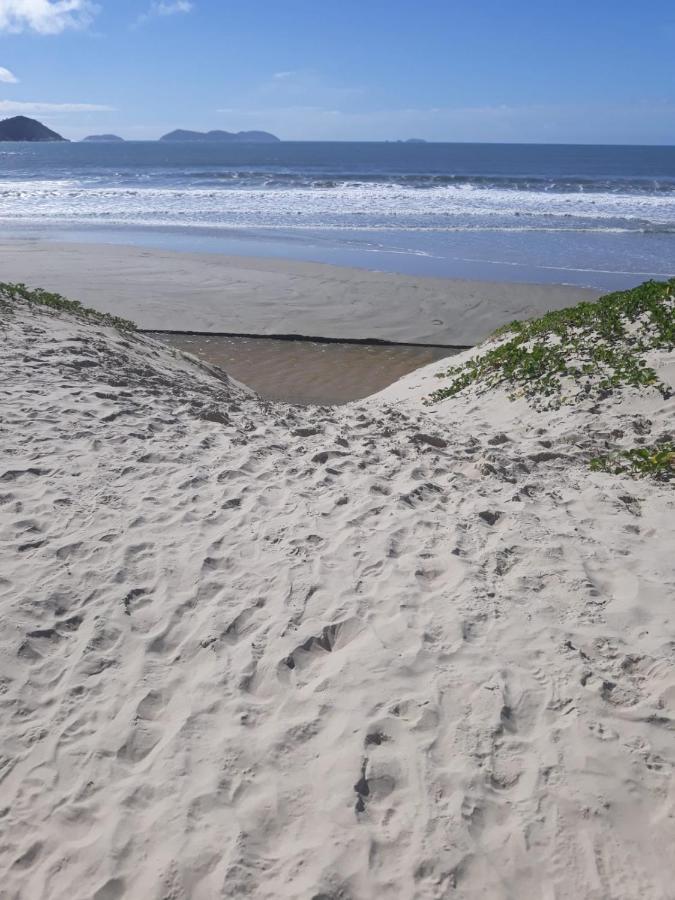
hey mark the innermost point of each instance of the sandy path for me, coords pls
(251, 650)
(209, 292)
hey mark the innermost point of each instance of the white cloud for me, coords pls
(21, 108)
(7, 77)
(160, 8)
(45, 16)
(171, 7)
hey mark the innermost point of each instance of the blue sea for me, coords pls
(587, 215)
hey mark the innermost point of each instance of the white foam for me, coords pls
(366, 206)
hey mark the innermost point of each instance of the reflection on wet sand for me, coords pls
(307, 372)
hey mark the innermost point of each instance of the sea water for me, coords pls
(588, 215)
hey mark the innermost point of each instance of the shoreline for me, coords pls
(481, 256)
(207, 292)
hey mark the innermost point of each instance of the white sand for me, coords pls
(305, 654)
(210, 292)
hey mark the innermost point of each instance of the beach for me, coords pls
(391, 649)
(218, 307)
(214, 293)
(286, 615)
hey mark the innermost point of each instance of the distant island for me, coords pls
(20, 128)
(104, 139)
(415, 141)
(223, 137)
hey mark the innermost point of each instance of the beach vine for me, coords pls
(585, 350)
(10, 292)
(656, 461)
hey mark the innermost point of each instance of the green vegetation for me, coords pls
(585, 350)
(657, 461)
(14, 292)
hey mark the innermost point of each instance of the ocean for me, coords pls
(596, 216)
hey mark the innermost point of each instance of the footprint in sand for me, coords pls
(332, 637)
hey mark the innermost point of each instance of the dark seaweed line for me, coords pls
(307, 338)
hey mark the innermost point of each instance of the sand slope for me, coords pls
(381, 651)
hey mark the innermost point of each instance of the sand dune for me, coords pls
(391, 651)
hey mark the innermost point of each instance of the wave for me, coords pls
(446, 204)
(309, 179)
(173, 222)
(371, 206)
(329, 180)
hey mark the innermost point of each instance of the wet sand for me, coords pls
(307, 372)
(211, 292)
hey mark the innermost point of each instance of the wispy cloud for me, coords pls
(163, 8)
(18, 107)
(583, 123)
(170, 7)
(299, 87)
(7, 77)
(45, 16)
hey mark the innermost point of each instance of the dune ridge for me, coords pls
(383, 650)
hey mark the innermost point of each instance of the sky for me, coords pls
(483, 70)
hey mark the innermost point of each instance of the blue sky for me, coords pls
(487, 70)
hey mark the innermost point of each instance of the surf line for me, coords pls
(306, 338)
